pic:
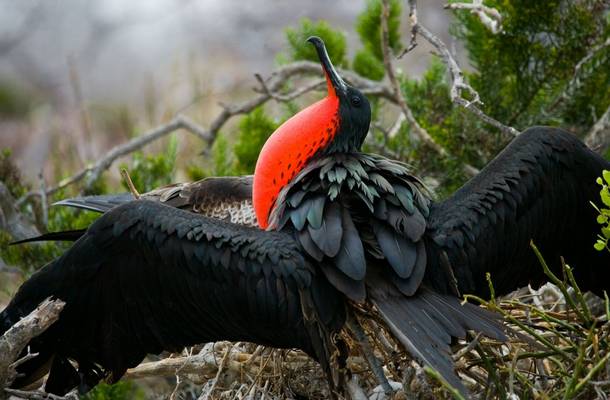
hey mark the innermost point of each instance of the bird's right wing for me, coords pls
(146, 277)
(227, 198)
(538, 188)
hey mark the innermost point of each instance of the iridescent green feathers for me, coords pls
(346, 208)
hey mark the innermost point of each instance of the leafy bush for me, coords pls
(122, 390)
(334, 40)
(254, 129)
(604, 213)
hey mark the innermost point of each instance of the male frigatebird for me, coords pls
(340, 225)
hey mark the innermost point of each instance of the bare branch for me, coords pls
(19, 335)
(489, 16)
(270, 87)
(290, 96)
(598, 137)
(11, 220)
(40, 395)
(421, 133)
(414, 22)
(93, 172)
(459, 84)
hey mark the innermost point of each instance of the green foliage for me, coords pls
(13, 102)
(522, 72)
(149, 171)
(195, 172)
(222, 163)
(122, 390)
(368, 61)
(9, 174)
(334, 40)
(603, 217)
(254, 129)
(27, 257)
(366, 64)
(368, 27)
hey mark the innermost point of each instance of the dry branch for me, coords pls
(270, 88)
(489, 16)
(421, 133)
(19, 335)
(598, 137)
(459, 84)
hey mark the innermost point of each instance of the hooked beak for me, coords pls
(336, 85)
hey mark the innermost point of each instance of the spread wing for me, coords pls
(538, 188)
(146, 277)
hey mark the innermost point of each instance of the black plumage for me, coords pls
(539, 189)
(153, 275)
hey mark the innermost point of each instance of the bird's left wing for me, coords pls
(146, 277)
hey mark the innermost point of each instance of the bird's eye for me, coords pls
(356, 101)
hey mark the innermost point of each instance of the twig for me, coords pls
(44, 203)
(221, 368)
(355, 391)
(129, 183)
(421, 133)
(462, 352)
(40, 395)
(19, 335)
(459, 84)
(290, 96)
(93, 172)
(365, 346)
(489, 16)
(598, 137)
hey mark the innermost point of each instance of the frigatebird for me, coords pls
(339, 226)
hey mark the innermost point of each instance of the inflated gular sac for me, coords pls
(400, 252)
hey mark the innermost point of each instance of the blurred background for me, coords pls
(131, 65)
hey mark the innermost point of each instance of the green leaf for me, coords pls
(605, 195)
(606, 175)
(602, 219)
(599, 245)
(606, 232)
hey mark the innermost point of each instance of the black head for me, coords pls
(354, 108)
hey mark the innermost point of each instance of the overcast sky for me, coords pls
(118, 46)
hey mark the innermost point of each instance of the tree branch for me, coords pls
(598, 137)
(489, 16)
(420, 132)
(19, 335)
(459, 84)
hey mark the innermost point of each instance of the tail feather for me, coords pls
(426, 323)
(99, 203)
(69, 236)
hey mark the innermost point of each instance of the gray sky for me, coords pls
(118, 46)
